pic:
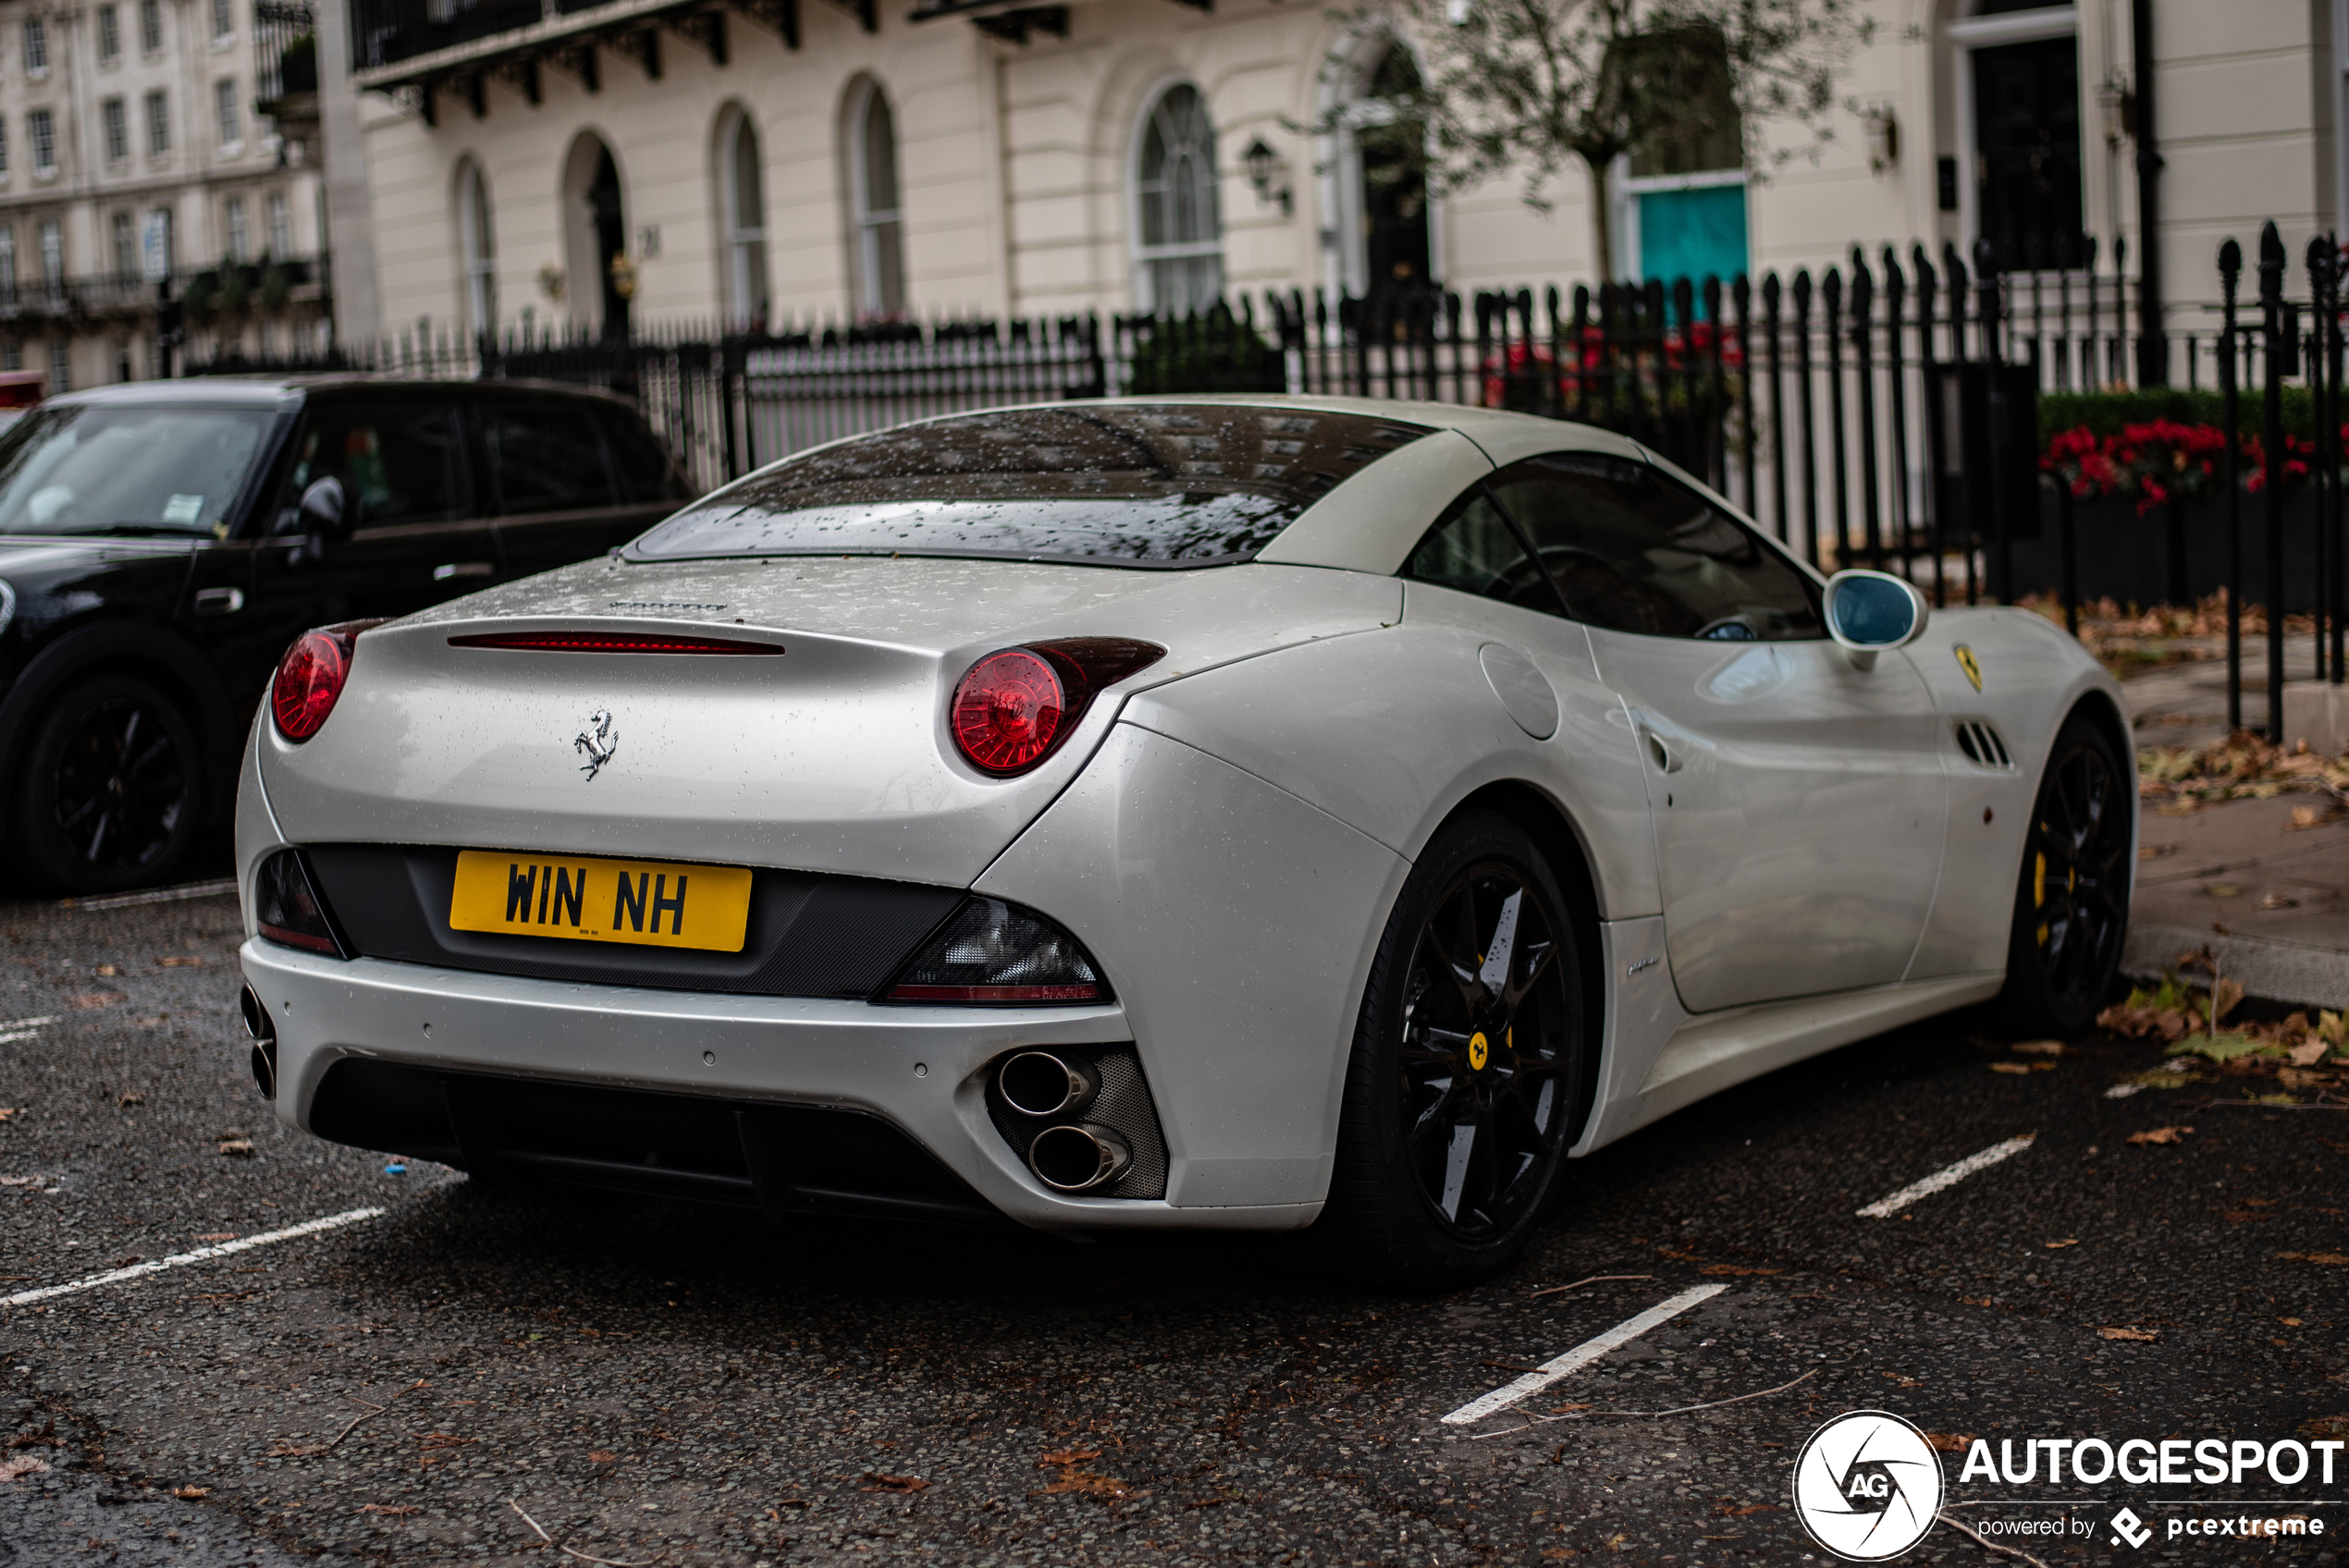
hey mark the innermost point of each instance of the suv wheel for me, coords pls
(109, 797)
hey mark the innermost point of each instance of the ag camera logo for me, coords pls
(1867, 1486)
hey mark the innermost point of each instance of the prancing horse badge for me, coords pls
(597, 741)
(1971, 666)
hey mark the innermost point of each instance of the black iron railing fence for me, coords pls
(1883, 412)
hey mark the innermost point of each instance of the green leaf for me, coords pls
(2223, 1047)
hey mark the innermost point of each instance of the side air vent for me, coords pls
(1982, 746)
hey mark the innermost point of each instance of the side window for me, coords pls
(1472, 548)
(544, 457)
(398, 461)
(646, 473)
(1635, 550)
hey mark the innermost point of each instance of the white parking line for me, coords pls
(1949, 1176)
(1581, 1355)
(212, 890)
(202, 1254)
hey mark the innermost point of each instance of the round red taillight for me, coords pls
(1007, 711)
(309, 679)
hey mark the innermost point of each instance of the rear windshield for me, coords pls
(1126, 484)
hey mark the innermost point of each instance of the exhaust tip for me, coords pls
(258, 1023)
(1077, 1159)
(1040, 1083)
(265, 1067)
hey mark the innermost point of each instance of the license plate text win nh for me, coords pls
(646, 902)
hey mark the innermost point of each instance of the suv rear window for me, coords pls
(1128, 484)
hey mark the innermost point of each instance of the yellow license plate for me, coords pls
(602, 900)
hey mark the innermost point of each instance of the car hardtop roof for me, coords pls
(276, 391)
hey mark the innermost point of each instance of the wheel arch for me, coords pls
(150, 652)
(1553, 832)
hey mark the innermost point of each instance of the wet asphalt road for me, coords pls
(669, 1386)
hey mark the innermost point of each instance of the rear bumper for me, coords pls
(919, 1070)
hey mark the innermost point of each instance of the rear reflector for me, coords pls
(989, 952)
(609, 642)
(286, 908)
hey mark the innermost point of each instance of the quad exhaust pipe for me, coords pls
(1078, 1158)
(263, 1031)
(1071, 1155)
(1040, 1083)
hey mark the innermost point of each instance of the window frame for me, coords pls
(876, 227)
(158, 114)
(115, 116)
(747, 294)
(40, 129)
(36, 47)
(1487, 485)
(476, 246)
(109, 34)
(149, 27)
(1149, 258)
(228, 113)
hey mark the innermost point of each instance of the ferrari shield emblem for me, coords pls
(1971, 666)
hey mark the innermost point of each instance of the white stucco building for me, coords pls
(801, 159)
(171, 130)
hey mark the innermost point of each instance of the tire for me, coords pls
(111, 796)
(1460, 1102)
(2072, 896)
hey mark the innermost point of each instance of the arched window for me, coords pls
(880, 227)
(1178, 249)
(745, 208)
(478, 246)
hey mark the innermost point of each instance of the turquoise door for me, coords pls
(1692, 234)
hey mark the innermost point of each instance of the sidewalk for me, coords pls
(2269, 898)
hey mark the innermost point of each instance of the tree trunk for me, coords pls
(1603, 214)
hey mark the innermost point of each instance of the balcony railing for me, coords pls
(384, 32)
(220, 292)
(285, 50)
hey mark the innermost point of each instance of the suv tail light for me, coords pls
(287, 909)
(990, 951)
(309, 678)
(1012, 708)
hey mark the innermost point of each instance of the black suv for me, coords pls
(161, 544)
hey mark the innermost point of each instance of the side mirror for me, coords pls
(326, 510)
(1871, 611)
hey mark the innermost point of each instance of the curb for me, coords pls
(2267, 969)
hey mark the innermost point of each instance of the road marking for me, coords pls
(214, 890)
(23, 1029)
(1949, 1176)
(202, 1254)
(1581, 1355)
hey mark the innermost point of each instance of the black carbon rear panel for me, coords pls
(1124, 1105)
(809, 936)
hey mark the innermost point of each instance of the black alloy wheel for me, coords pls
(110, 798)
(2072, 906)
(1461, 1097)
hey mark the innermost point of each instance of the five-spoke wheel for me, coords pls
(1467, 1061)
(2071, 907)
(108, 798)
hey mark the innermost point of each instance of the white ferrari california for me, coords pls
(1210, 812)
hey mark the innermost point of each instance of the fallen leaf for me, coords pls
(1751, 1508)
(1614, 1543)
(129, 1100)
(2277, 901)
(2241, 1215)
(218, 1236)
(9, 1111)
(1949, 1442)
(2289, 1322)
(901, 1484)
(1068, 1456)
(88, 1001)
(126, 1262)
(177, 961)
(23, 1465)
(2011, 1067)
(2038, 1048)
(2223, 890)
(1734, 1268)
(2326, 1426)
(105, 972)
(2160, 1135)
(602, 1456)
(2067, 1242)
(394, 1508)
(2130, 1333)
(284, 1449)
(2303, 817)
(2332, 1258)
(189, 1494)
(237, 1149)
(2307, 1053)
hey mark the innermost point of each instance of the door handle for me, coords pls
(451, 570)
(1658, 752)
(219, 601)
